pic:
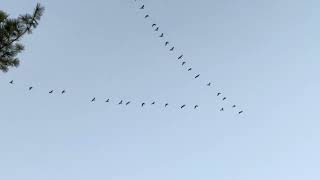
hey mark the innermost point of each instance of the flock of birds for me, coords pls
(121, 102)
(181, 57)
(143, 104)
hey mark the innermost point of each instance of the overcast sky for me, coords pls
(263, 55)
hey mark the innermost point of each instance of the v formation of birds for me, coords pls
(181, 57)
(143, 104)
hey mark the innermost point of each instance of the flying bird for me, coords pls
(157, 29)
(233, 106)
(180, 57)
(240, 112)
(107, 100)
(161, 35)
(153, 25)
(50, 92)
(189, 69)
(30, 88)
(197, 76)
(224, 98)
(183, 63)
(146, 16)
(94, 99)
(183, 106)
(128, 103)
(63, 91)
(120, 102)
(221, 109)
(142, 7)
(166, 43)
(209, 84)
(166, 105)
(218, 94)
(11, 82)
(153, 103)
(172, 48)
(196, 106)
(143, 104)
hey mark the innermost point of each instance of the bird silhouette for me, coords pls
(30, 88)
(209, 84)
(196, 106)
(128, 103)
(161, 35)
(233, 106)
(94, 99)
(143, 104)
(153, 25)
(221, 109)
(166, 43)
(107, 100)
(146, 16)
(63, 91)
(120, 102)
(50, 92)
(172, 49)
(218, 94)
(183, 63)
(240, 112)
(153, 103)
(183, 106)
(157, 29)
(166, 105)
(197, 76)
(180, 57)
(189, 69)
(224, 98)
(11, 82)
(142, 7)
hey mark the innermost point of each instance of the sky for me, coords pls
(262, 55)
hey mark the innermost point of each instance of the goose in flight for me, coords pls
(161, 35)
(142, 7)
(146, 16)
(157, 29)
(221, 109)
(30, 88)
(183, 106)
(128, 103)
(180, 57)
(63, 91)
(233, 106)
(196, 106)
(209, 84)
(120, 102)
(172, 48)
(94, 99)
(240, 112)
(11, 82)
(143, 104)
(219, 94)
(183, 63)
(189, 69)
(153, 25)
(153, 103)
(197, 76)
(166, 105)
(50, 92)
(107, 100)
(224, 98)
(166, 43)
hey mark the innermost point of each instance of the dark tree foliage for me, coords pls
(11, 31)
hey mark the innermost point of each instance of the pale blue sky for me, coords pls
(262, 54)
